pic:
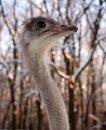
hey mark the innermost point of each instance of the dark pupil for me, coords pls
(41, 24)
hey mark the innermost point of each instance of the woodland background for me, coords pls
(77, 64)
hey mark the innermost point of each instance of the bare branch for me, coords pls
(45, 4)
(62, 74)
(59, 72)
(39, 7)
(80, 69)
(102, 49)
(4, 65)
(7, 23)
(15, 19)
(85, 9)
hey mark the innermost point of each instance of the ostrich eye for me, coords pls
(41, 24)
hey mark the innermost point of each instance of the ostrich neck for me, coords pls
(55, 106)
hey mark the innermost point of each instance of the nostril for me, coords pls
(63, 25)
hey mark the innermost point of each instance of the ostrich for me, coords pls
(38, 37)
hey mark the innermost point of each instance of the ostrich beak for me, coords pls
(62, 30)
(69, 28)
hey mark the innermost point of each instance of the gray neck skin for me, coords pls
(56, 111)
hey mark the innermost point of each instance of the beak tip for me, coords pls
(74, 28)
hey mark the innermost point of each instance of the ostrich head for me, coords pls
(40, 33)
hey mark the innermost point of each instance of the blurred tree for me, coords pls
(78, 65)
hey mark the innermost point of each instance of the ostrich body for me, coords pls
(39, 35)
